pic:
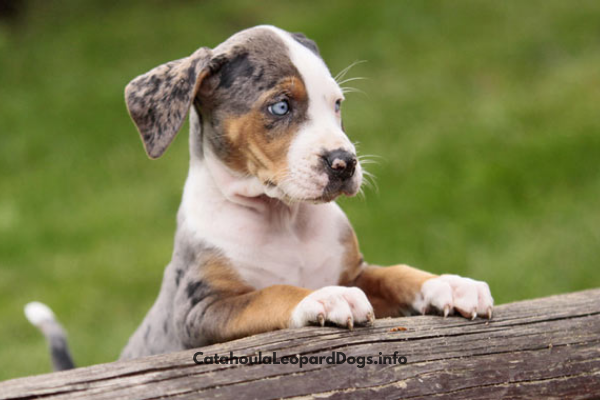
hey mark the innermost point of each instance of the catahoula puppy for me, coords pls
(260, 243)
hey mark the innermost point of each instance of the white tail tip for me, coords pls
(37, 313)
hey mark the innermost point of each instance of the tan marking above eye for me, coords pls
(292, 87)
(296, 88)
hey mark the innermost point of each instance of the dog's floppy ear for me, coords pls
(159, 100)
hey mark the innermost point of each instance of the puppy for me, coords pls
(260, 243)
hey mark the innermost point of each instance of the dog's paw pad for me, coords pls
(342, 306)
(449, 293)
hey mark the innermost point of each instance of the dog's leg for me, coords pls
(392, 290)
(227, 315)
(401, 290)
(212, 304)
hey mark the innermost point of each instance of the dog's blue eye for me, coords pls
(280, 108)
(338, 105)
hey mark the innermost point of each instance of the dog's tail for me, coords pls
(42, 317)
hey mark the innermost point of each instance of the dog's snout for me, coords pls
(340, 164)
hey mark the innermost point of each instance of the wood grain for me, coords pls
(544, 348)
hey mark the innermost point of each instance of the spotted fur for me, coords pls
(158, 101)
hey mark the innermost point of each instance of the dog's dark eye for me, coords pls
(280, 108)
(338, 105)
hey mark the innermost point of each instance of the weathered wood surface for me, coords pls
(538, 349)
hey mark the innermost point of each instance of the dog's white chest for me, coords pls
(303, 250)
(310, 262)
(307, 254)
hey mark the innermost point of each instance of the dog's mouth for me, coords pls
(332, 190)
(325, 198)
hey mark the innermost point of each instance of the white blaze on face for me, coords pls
(321, 133)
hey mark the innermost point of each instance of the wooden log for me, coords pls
(543, 348)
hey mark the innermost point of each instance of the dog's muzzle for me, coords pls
(340, 166)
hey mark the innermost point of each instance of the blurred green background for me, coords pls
(485, 115)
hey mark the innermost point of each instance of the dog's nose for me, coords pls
(340, 163)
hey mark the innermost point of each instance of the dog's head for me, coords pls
(267, 107)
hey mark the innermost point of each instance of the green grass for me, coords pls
(485, 115)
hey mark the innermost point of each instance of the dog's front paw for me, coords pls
(449, 293)
(342, 306)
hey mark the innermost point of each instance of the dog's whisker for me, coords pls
(356, 78)
(351, 89)
(364, 156)
(361, 194)
(369, 155)
(348, 89)
(370, 181)
(369, 159)
(343, 72)
(375, 157)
